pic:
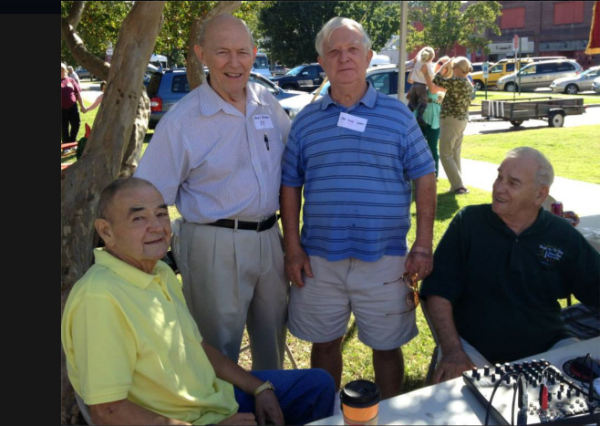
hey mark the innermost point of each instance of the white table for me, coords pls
(452, 402)
(589, 226)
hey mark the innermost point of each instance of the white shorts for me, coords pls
(373, 291)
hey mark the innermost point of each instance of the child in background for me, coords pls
(417, 95)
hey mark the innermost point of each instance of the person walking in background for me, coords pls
(73, 74)
(430, 125)
(355, 153)
(70, 96)
(217, 155)
(417, 94)
(454, 117)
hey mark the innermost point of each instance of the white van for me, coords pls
(378, 59)
(159, 61)
(261, 65)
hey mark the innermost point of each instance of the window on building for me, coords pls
(568, 12)
(512, 18)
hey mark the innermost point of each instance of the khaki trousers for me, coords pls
(451, 136)
(234, 279)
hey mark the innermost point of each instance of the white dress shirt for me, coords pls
(213, 162)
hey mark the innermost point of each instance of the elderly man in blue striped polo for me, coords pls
(355, 151)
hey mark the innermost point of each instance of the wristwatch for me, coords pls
(266, 385)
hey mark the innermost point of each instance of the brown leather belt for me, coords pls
(250, 226)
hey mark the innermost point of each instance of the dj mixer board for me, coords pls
(538, 392)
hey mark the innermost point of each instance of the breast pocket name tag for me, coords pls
(262, 121)
(352, 122)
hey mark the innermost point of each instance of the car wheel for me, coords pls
(510, 87)
(516, 123)
(556, 119)
(478, 85)
(571, 89)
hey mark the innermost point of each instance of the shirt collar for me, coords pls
(369, 99)
(211, 102)
(538, 225)
(129, 273)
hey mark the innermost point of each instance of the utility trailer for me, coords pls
(518, 110)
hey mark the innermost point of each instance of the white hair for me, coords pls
(338, 22)
(545, 172)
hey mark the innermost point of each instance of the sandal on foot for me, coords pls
(461, 190)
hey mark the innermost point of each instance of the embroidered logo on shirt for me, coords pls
(549, 255)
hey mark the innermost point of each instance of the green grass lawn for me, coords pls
(573, 151)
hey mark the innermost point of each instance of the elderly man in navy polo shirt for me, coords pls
(355, 152)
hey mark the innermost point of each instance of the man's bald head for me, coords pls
(218, 21)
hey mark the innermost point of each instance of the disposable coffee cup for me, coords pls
(360, 402)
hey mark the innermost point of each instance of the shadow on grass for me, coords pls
(148, 137)
(447, 206)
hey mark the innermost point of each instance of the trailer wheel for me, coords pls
(516, 123)
(556, 119)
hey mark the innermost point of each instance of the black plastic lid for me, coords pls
(360, 393)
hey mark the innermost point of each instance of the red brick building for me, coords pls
(545, 28)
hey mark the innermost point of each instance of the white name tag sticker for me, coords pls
(262, 121)
(352, 122)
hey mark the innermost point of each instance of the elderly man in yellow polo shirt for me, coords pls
(134, 353)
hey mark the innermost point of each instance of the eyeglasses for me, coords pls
(412, 298)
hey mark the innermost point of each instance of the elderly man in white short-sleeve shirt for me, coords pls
(216, 155)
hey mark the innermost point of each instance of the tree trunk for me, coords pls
(195, 69)
(105, 151)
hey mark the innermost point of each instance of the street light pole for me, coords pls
(402, 51)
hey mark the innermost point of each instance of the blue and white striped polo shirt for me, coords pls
(357, 189)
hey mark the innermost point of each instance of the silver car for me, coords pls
(579, 83)
(539, 74)
(596, 85)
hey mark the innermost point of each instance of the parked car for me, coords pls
(496, 71)
(477, 66)
(306, 77)
(83, 73)
(167, 87)
(539, 74)
(384, 79)
(596, 85)
(579, 83)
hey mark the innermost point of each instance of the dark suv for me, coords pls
(306, 77)
(167, 87)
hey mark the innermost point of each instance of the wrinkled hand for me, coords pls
(267, 408)
(420, 263)
(451, 365)
(239, 419)
(296, 262)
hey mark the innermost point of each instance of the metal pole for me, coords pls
(402, 51)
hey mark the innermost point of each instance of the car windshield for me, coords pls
(261, 62)
(592, 71)
(263, 81)
(295, 71)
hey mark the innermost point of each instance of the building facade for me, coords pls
(544, 28)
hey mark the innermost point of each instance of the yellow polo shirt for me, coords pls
(129, 334)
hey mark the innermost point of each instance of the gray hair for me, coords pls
(204, 28)
(112, 189)
(338, 22)
(545, 172)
